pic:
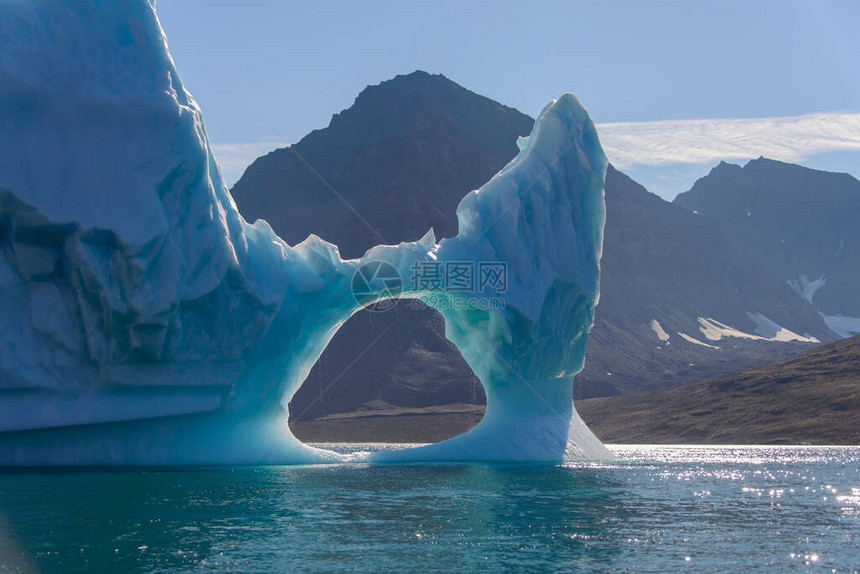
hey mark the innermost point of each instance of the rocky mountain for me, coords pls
(386, 170)
(813, 398)
(803, 223)
(680, 300)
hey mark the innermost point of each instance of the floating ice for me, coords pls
(143, 321)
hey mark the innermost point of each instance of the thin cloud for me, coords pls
(791, 139)
(235, 158)
(699, 142)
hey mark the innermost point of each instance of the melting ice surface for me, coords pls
(143, 321)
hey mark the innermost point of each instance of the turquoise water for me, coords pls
(657, 509)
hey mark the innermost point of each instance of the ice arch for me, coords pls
(393, 357)
(145, 322)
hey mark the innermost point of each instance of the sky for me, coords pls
(674, 87)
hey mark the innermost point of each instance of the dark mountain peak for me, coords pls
(767, 181)
(387, 169)
(415, 83)
(773, 179)
(724, 168)
(416, 90)
(421, 101)
(804, 223)
(400, 160)
(772, 165)
(767, 168)
(420, 89)
(417, 79)
(764, 168)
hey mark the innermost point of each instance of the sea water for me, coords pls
(656, 509)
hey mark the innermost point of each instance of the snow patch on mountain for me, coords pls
(773, 331)
(658, 330)
(767, 330)
(805, 287)
(843, 326)
(690, 339)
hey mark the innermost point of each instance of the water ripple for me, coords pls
(656, 509)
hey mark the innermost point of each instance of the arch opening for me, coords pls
(388, 375)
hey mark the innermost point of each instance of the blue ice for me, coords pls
(143, 321)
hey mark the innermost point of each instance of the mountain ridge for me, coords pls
(804, 224)
(413, 176)
(809, 399)
(378, 135)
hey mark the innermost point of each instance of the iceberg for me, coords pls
(144, 322)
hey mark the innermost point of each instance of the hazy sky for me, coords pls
(778, 79)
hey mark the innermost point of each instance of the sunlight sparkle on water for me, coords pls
(655, 509)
